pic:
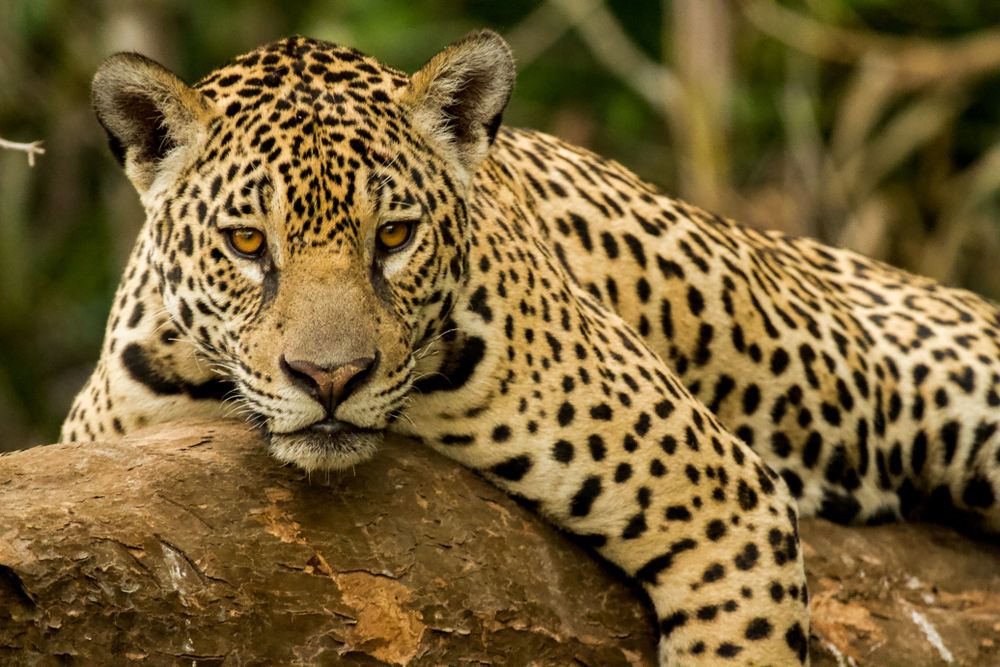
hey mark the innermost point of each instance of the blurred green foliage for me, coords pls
(821, 127)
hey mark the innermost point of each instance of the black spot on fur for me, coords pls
(696, 302)
(747, 558)
(751, 399)
(456, 369)
(513, 469)
(796, 639)
(779, 361)
(950, 435)
(839, 507)
(636, 527)
(601, 412)
(758, 628)
(584, 498)
(713, 572)
(715, 530)
(650, 571)
(728, 650)
(562, 451)
(597, 447)
(978, 493)
(746, 496)
(670, 623)
(478, 305)
(142, 368)
(136, 317)
(566, 414)
(678, 513)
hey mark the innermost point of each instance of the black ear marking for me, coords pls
(155, 142)
(493, 126)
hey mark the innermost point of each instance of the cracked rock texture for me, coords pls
(188, 545)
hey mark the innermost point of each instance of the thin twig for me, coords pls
(32, 149)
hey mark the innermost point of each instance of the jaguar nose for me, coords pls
(328, 386)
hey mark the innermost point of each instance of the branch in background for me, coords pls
(837, 188)
(32, 149)
(905, 96)
(536, 33)
(607, 40)
(695, 110)
(903, 134)
(701, 37)
(918, 61)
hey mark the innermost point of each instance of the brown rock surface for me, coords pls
(903, 594)
(188, 545)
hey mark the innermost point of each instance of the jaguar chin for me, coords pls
(326, 445)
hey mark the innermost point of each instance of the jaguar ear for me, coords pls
(147, 112)
(459, 96)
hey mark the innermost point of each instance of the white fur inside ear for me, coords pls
(162, 180)
(458, 98)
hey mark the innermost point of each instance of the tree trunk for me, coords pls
(188, 545)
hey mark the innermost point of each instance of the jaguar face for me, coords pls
(307, 221)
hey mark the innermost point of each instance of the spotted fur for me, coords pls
(659, 381)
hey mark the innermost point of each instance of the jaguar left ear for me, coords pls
(459, 97)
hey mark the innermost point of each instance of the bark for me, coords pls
(189, 545)
(905, 594)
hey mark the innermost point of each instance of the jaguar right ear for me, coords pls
(148, 114)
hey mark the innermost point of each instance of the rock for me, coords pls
(187, 544)
(903, 594)
(190, 545)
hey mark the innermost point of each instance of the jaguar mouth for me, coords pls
(330, 444)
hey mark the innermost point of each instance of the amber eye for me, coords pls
(394, 235)
(247, 241)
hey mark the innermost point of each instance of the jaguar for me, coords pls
(338, 250)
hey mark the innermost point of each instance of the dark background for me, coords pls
(872, 124)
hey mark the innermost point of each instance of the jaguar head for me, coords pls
(307, 221)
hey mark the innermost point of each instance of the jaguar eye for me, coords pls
(394, 235)
(246, 241)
